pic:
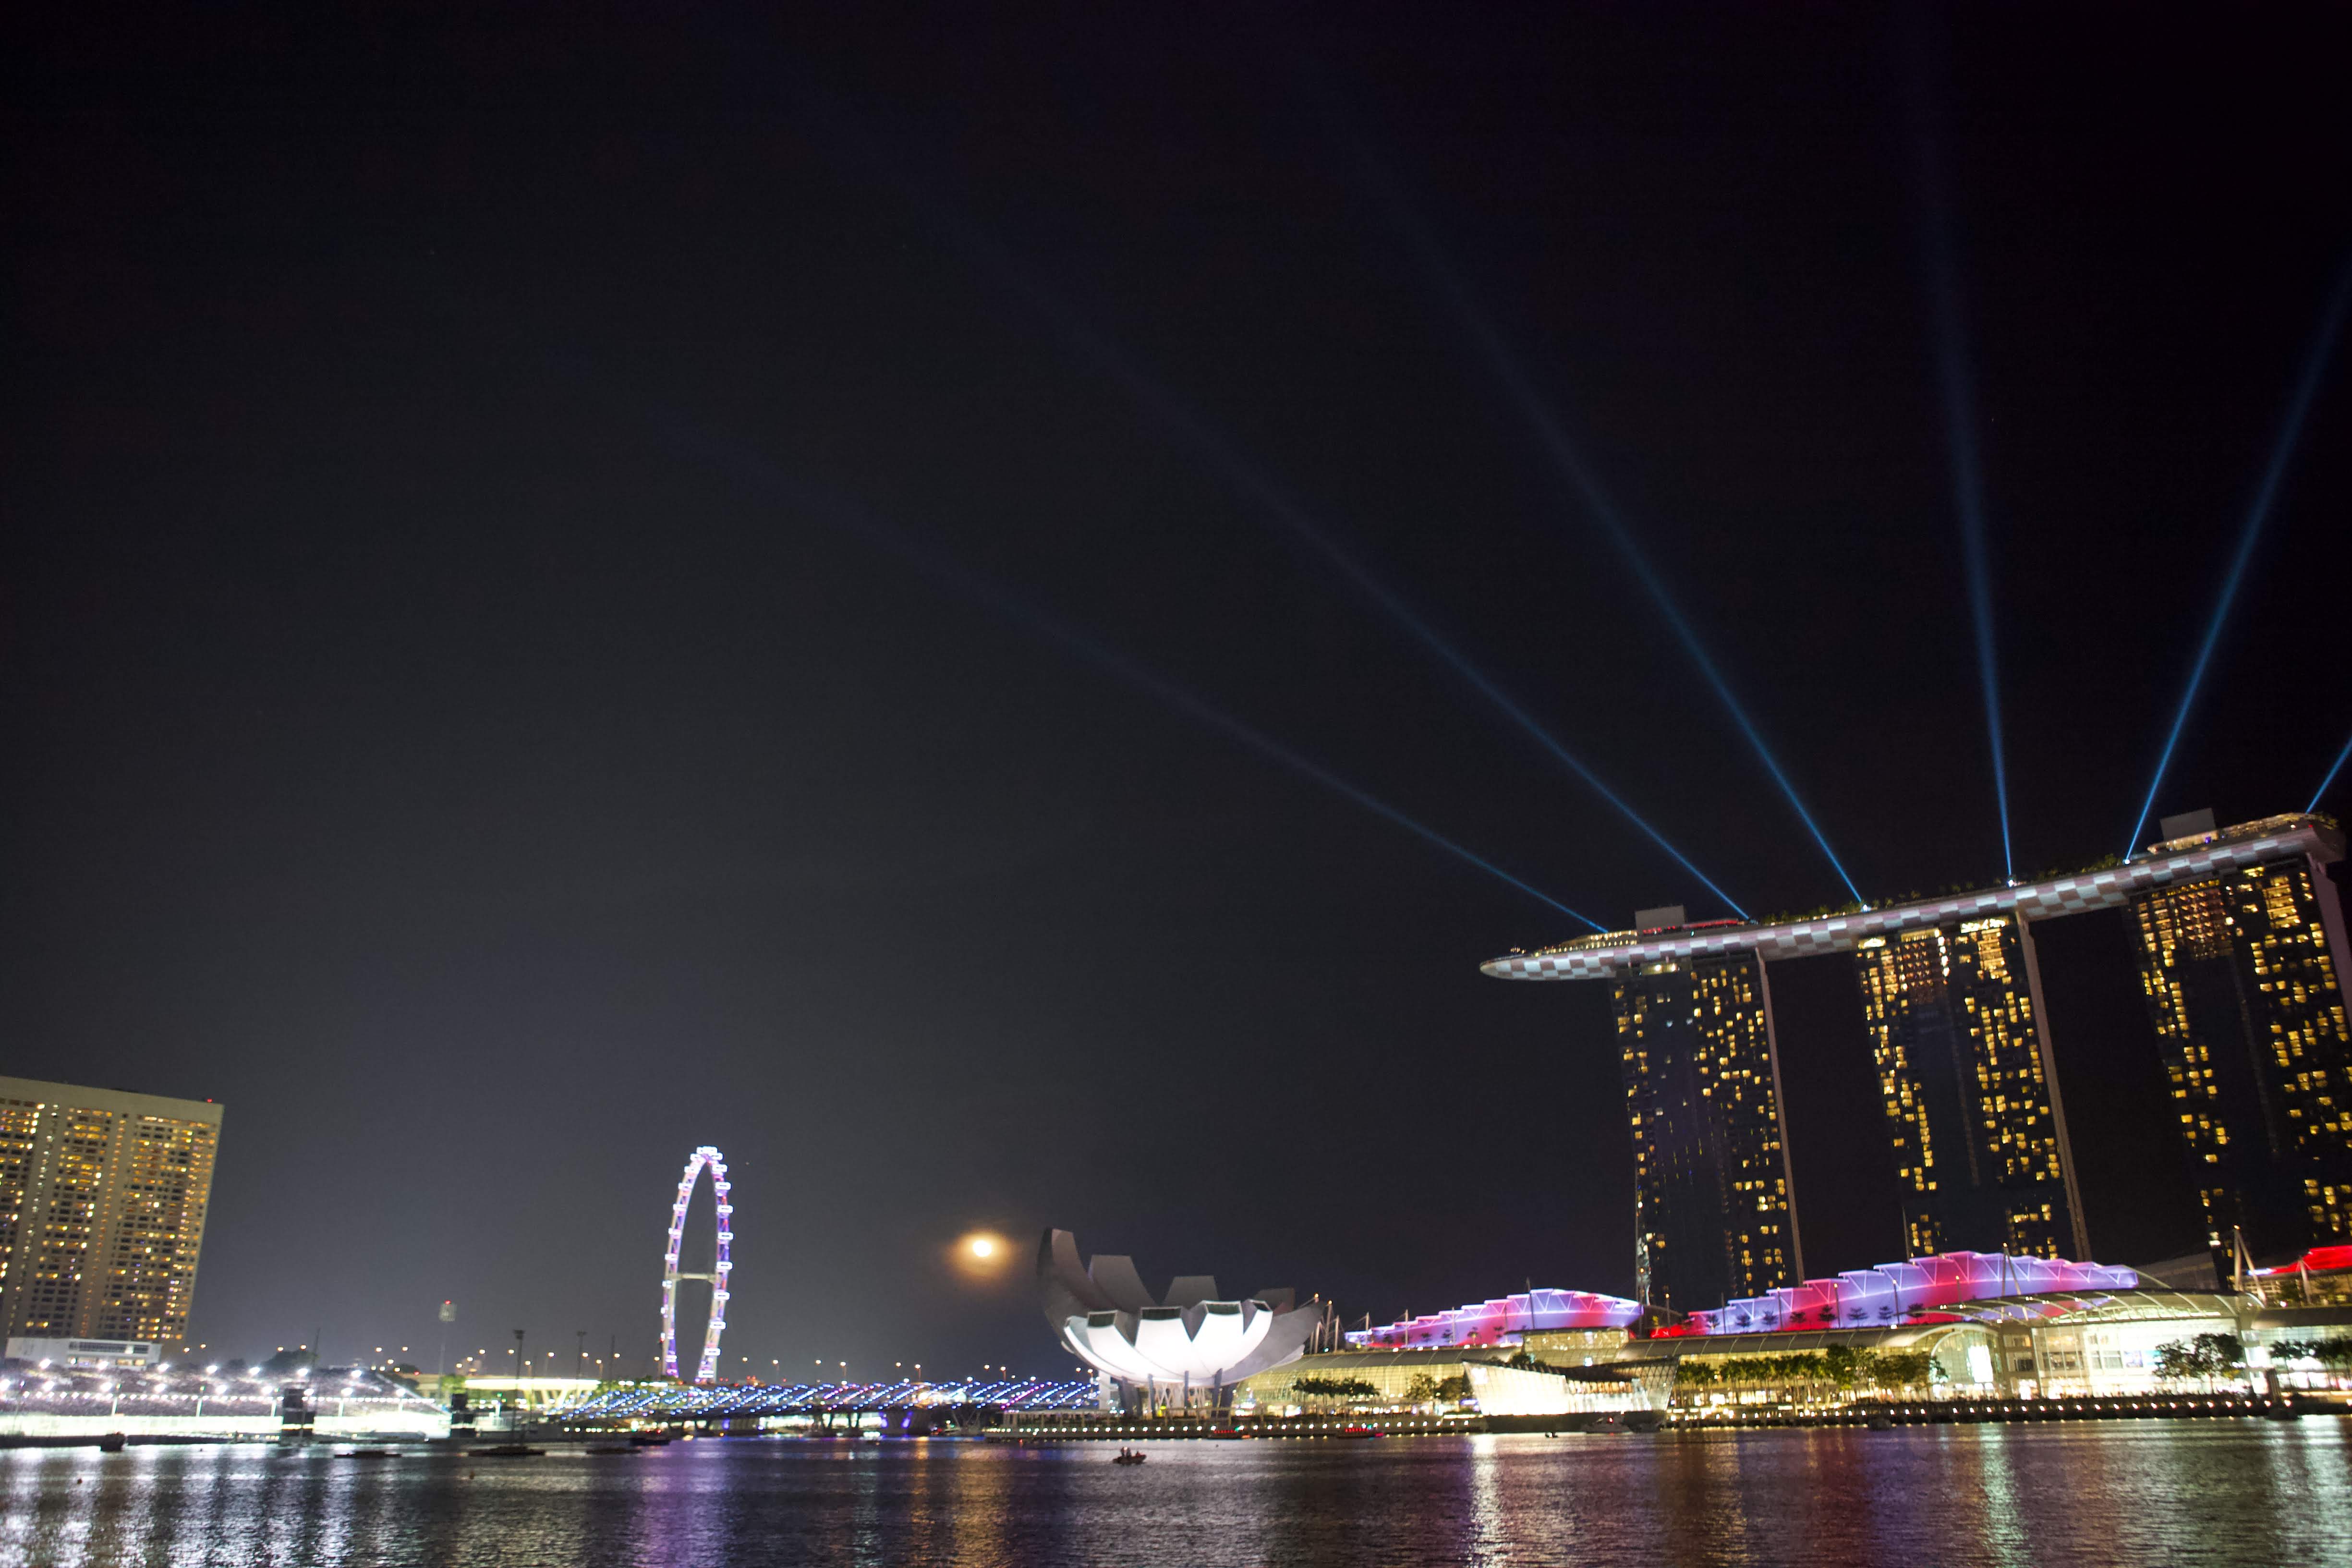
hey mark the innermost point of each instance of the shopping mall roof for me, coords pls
(2099, 1307)
(1338, 1362)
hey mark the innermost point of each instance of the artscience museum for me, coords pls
(1190, 1346)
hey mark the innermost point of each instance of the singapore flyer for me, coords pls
(708, 1156)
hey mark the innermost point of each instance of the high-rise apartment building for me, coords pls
(2245, 976)
(1971, 1096)
(102, 1200)
(1715, 1217)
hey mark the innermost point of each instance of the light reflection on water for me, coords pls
(2092, 1493)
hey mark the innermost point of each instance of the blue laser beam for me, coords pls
(2290, 433)
(1222, 456)
(1505, 366)
(1957, 382)
(2333, 769)
(773, 482)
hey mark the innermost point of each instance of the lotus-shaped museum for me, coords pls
(1190, 1337)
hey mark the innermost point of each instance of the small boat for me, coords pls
(111, 1442)
(366, 1453)
(648, 1439)
(1127, 1457)
(612, 1447)
(508, 1451)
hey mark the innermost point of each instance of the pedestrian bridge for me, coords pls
(718, 1402)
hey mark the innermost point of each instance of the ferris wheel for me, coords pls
(708, 1156)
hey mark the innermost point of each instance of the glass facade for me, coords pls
(1978, 1151)
(102, 1200)
(1714, 1214)
(2242, 975)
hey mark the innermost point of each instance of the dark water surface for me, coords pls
(2120, 1492)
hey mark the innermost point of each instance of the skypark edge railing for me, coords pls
(2180, 860)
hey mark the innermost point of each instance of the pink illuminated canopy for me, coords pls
(1500, 1321)
(1902, 1292)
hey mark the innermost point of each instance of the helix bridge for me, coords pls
(683, 1402)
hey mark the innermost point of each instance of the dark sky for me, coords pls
(542, 557)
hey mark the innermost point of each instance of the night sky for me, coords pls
(579, 587)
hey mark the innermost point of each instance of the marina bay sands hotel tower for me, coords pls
(1961, 1069)
(2243, 960)
(1714, 1211)
(1965, 1073)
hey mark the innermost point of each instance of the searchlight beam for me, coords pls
(1957, 382)
(2333, 769)
(1506, 368)
(943, 572)
(2290, 433)
(1193, 433)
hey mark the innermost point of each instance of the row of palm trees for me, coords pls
(1816, 1372)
